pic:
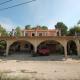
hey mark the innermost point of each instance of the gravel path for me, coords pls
(46, 67)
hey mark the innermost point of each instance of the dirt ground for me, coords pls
(53, 67)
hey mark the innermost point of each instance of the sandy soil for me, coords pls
(43, 67)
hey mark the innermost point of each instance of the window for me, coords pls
(45, 33)
(57, 33)
(26, 34)
(26, 46)
(33, 34)
(40, 34)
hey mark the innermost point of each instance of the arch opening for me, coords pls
(21, 47)
(3, 45)
(71, 48)
(50, 47)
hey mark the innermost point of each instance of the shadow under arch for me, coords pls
(3, 45)
(21, 46)
(55, 47)
(71, 47)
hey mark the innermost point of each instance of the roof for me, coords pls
(30, 30)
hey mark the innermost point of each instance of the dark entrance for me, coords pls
(2, 47)
(54, 47)
(21, 47)
(71, 48)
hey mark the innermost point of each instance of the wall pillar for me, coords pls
(7, 47)
(7, 51)
(78, 47)
(65, 49)
(59, 32)
(36, 33)
(24, 33)
(35, 44)
(35, 49)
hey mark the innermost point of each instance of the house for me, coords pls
(39, 32)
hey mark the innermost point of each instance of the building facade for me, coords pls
(39, 32)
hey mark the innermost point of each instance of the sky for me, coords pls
(40, 12)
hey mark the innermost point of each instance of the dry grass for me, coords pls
(23, 67)
(4, 76)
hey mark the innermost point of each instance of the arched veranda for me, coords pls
(54, 47)
(71, 48)
(21, 46)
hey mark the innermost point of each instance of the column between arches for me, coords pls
(78, 47)
(7, 47)
(64, 43)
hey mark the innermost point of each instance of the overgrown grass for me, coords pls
(4, 76)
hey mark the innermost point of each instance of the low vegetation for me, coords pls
(4, 76)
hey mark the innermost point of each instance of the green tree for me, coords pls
(40, 27)
(74, 31)
(2, 44)
(62, 27)
(3, 31)
(28, 27)
(17, 31)
(78, 23)
(44, 27)
(37, 27)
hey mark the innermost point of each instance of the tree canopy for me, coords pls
(17, 31)
(44, 27)
(62, 27)
(40, 27)
(28, 27)
(3, 31)
(78, 23)
(2, 44)
(74, 30)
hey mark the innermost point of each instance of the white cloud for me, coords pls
(51, 23)
(7, 24)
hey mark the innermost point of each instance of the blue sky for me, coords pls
(40, 12)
